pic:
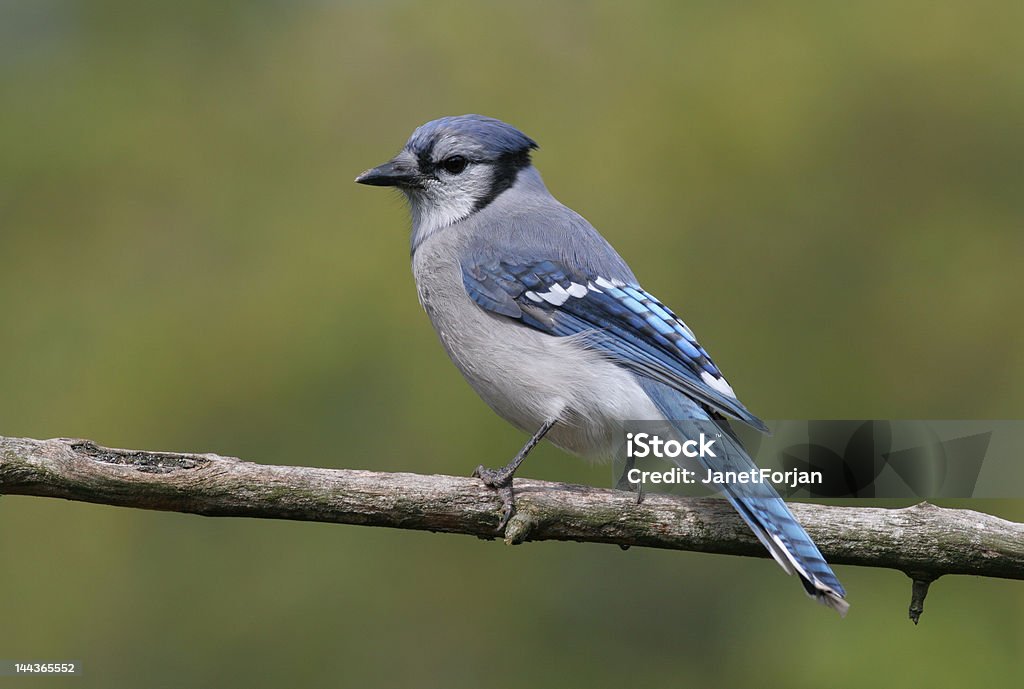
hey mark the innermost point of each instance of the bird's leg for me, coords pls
(625, 484)
(501, 479)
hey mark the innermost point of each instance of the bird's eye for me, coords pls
(454, 164)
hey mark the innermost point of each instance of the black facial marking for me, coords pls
(506, 169)
(425, 164)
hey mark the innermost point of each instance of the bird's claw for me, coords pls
(501, 483)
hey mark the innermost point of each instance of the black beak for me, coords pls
(397, 172)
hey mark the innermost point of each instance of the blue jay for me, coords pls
(552, 329)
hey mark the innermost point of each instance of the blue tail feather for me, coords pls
(758, 503)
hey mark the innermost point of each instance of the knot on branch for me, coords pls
(146, 462)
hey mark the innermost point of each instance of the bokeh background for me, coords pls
(830, 193)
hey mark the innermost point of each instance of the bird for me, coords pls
(552, 329)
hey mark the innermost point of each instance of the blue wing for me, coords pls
(621, 320)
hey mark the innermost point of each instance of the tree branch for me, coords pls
(923, 541)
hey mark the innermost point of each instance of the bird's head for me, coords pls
(453, 167)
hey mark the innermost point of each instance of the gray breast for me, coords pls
(526, 376)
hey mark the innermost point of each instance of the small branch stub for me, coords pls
(918, 591)
(518, 528)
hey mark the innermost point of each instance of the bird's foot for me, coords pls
(625, 484)
(500, 481)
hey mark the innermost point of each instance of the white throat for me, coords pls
(439, 206)
(428, 216)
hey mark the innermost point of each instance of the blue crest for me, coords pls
(491, 136)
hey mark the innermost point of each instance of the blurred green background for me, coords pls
(830, 193)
